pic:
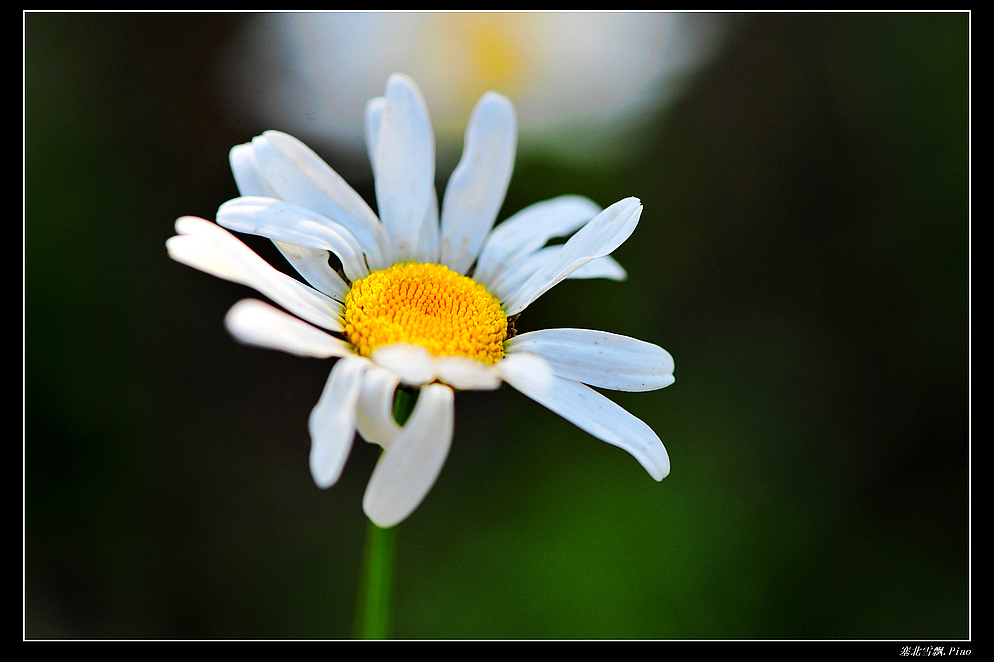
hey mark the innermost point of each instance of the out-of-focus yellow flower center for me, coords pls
(492, 48)
(428, 305)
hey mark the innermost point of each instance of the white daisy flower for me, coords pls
(422, 297)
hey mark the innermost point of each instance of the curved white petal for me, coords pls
(297, 175)
(527, 370)
(409, 467)
(248, 176)
(310, 263)
(210, 248)
(518, 272)
(466, 374)
(332, 422)
(601, 267)
(405, 166)
(428, 240)
(412, 363)
(592, 412)
(599, 358)
(254, 322)
(415, 365)
(526, 231)
(376, 422)
(290, 223)
(598, 238)
(372, 118)
(479, 182)
(504, 284)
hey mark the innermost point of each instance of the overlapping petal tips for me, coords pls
(404, 162)
(599, 358)
(414, 365)
(518, 237)
(411, 363)
(278, 165)
(466, 374)
(332, 422)
(289, 223)
(212, 249)
(311, 263)
(476, 189)
(248, 175)
(257, 323)
(410, 465)
(376, 423)
(604, 233)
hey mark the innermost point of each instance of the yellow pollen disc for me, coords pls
(428, 305)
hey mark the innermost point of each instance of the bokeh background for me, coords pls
(803, 253)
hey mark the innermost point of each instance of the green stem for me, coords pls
(374, 600)
(403, 404)
(373, 619)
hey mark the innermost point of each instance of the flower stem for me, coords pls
(373, 618)
(403, 404)
(374, 599)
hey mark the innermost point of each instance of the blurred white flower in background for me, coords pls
(576, 78)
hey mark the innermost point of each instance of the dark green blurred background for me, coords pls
(803, 254)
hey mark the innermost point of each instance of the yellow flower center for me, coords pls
(428, 305)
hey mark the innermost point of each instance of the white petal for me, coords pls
(479, 182)
(599, 416)
(415, 365)
(504, 285)
(408, 469)
(601, 267)
(248, 176)
(405, 166)
(466, 374)
(599, 237)
(289, 223)
(298, 175)
(332, 422)
(310, 263)
(209, 247)
(513, 275)
(527, 370)
(412, 363)
(257, 323)
(376, 422)
(372, 118)
(428, 240)
(529, 229)
(599, 358)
